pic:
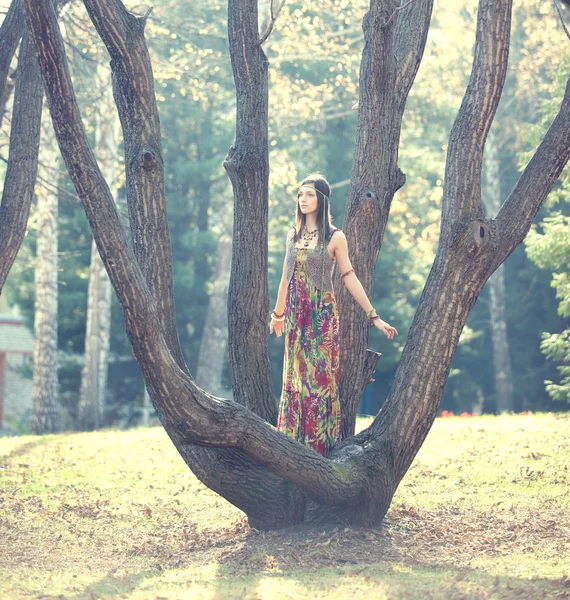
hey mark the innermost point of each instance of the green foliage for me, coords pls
(550, 249)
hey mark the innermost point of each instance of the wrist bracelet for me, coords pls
(276, 316)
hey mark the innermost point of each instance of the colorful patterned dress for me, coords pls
(309, 410)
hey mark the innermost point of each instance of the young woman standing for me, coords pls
(306, 311)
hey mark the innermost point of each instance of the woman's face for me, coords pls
(307, 199)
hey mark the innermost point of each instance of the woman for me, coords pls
(306, 310)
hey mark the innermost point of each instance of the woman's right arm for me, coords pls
(278, 326)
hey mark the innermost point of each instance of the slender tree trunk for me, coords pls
(44, 396)
(394, 44)
(497, 300)
(214, 344)
(10, 33)
(22, 158)
(91, 409)
(247, 165)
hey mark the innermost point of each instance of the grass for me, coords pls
(484, 512)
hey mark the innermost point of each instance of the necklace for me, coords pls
(308, 236)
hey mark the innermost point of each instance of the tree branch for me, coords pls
(10, 34)
(272, 20)
(23, 157)
(562, 19)
(389, 63)
(409, 42)
(462, 187)
(247, 166)
(535, 183)
(397, 10)
(133, 88)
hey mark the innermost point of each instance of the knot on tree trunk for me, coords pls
(148, 160)
(479, 237)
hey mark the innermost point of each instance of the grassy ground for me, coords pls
(484, 512)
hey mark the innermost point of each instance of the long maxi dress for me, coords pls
(309, 410)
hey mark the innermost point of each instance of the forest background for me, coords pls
(314, 54)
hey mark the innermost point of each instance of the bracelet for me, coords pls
(372, 316)
(347, 273)
(276, 317)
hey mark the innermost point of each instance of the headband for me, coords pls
(311, 187)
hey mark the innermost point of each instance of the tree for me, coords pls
(91, 407)
(501, 356)
(44, 417)
(232, 446)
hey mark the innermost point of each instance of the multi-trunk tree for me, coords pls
(232, 445)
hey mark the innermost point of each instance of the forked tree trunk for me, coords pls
(497, 292)
(214, 344)
(234, 450)
(91, 408)
(44, 415)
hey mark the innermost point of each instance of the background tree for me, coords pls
(91, 408)
(44, 417)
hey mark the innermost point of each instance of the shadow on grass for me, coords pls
(23, 449)
(111, 586)
(359, 564)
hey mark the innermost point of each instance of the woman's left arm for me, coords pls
(353, 284)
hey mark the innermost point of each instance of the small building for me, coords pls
(16, 357)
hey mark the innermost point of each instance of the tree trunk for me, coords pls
(273, 478)
(10, 33)
(22, 158)
(247, 165)
(44, 396)
(91, 409)
(394, 44)
(497, 300)
(214, 344)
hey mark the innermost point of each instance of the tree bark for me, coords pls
(44, 415)
(133, 89)
(356, 483)
(497, 293)
(22, 158)
(247, 165)
(91, 408)
(392, 54)
(214, 344)
(10, 33)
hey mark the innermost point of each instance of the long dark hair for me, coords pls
(322, 186)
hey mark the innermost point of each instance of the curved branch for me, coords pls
(409, 42)
(535, 183)
(10, 34)
(462, 187)
(133, 88)
(22, 166)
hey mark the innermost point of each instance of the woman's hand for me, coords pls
(277, 326)
(385, 328)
